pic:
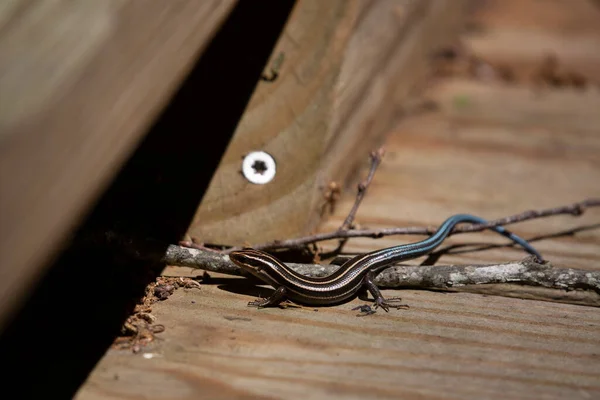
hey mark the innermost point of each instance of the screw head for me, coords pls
(259, 167)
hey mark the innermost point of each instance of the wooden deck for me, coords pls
(490, 148)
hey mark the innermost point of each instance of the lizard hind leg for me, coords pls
(380, 301)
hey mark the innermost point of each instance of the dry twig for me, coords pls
(575, 209)
(524, 272)
(345, 231)
(376, 157)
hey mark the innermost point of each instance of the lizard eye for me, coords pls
(245, 260)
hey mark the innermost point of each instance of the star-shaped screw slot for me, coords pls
(259, 167)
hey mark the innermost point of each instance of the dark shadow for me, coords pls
(231, 281)
(250, 287)
(568, 232)
(434, 256)
(74, 313)
(247, 288)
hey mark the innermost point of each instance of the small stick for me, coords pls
(575, 209)
(524, 272)
(376, 157)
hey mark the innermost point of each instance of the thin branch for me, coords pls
(575, 209)
(376, 157)
(524, 272)
(345, 231)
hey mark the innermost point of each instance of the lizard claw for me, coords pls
(392, 302)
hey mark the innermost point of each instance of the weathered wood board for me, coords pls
(79, 84)
(491, 149)
(348, 67)
(447, 346)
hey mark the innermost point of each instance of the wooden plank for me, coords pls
(348, 68)
(550, 30)
(503, 151)
(458, 346)
(446, 346)
(79, 83)
(470, 101)
(476, 159)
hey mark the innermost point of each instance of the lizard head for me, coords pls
(257, 263)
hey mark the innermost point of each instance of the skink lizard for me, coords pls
(352, 276)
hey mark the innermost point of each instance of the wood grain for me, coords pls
(348, 67)
(502, 151)
(447, 163)
(572, 34)
(79, 83)
(459, 346)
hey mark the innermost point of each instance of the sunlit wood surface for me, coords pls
(346, 69)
